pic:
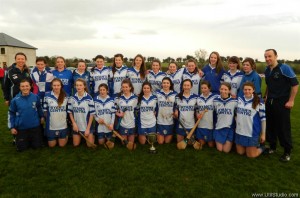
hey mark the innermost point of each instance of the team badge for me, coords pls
(56, 133)
(126, 131)
(33, 104)
(165, 131)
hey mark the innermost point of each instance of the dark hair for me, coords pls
(173, 62)
(219, 65)
(103, 85)
(84, 83)
(26, 80)
(191, 60)
(127, 81)
(256, 99)
(81, 61)
(60, 57)
(251, 61)
(114, 63)
(99, 57)
(236, 60)
(22, 54)
(273, 50)
(171, 83)
(143, 66)
(142, 93)
(156, 61)
(40, 59)
(226, 84)
(205, 82)
(62, 93)
(180, 95)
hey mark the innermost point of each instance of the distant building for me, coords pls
(9, 46)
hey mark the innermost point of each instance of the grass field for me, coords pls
(81, 172)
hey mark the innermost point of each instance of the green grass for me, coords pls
(81, 172)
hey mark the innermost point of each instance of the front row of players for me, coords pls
(226, 121)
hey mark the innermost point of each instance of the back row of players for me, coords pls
(156, 97)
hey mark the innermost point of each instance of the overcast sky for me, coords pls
(160, 28)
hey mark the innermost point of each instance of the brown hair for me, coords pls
(235, 59)
(251, 61)
(60, 57)
(143, 66)
(127, 81)
(142, 92)
(114, 63)
(62, 93)
(219, 65)
(180, 95)
(84, 83)
(256, 99)
(191, 60)
(205, 82)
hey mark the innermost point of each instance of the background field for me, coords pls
(81, 172)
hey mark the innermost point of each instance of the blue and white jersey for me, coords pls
(155, 80)
(206, 103)
(248, 120)
(195, 78)
(99, 76)
(166, 106)
(176, 79)
(186, 108)
(85, 76)
(135, 78)
(66, 77)
(225, 110)
(118, 77)
(43, 81)
(105, 109)
(56, 115)
(81, 108)
(234, 80)
(147, 110)
(128, 106)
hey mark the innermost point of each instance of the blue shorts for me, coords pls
(165, 129)
(54, 134)
(246, 141)
(145, 131)
(205, 134)
(125, 131)
(103, 135)
(181, 131)
(223, 135)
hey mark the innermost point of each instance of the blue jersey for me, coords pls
(234, 80)
(42, 80)
(128, 106)
(99, 76)
(248, 120)
(225, 111)
(176, 79)
(166, 106)
(66, 77)
(81, 108)
(155, 80)
(186, 108)
(136, 80)
(251, 77)
(104, 109)
(56, 115)
(117, 79)
(195, 78)
(85, 76)
(25, 112)
(147, 110)
(206, 103)
(213, 77)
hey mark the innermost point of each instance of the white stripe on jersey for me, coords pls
(195, 78)
(166, 104)
(118, 77)
(234, 80)
(56, 116)
(155, 80)
(206, 103)
(128, 106)
(81, 108)
(135, 78)
(248, 120)
(225, 110)
(146, 110)
(176, 79)
(186, 108)
(104, 109)
(100, 76)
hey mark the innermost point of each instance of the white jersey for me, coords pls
(166, 106)
(225, 110)
(176, 79)
(147, 110)
(135, 78)
(186, 108)
(128, 106)
(118, 77)
(56, 116)
(234, 80)
(206, 103)
(81, 108)
(99, 76)
(155, 80)
(195, 78)
(248, 120)
(104, 109)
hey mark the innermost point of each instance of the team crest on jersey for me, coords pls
(126, 131)
(165, 131)
(33, 104)
(276, 75)
(56, 133)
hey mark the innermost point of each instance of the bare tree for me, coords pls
(201, 55)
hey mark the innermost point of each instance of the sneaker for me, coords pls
(285, 157)
(269, 151)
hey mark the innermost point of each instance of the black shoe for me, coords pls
(285, 157)
(269, 151)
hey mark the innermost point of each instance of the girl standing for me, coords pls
(81, 72)
(155, 75)
(137, 73)
(81, 111)
(119, 73)
(175, 75)
(191, 72)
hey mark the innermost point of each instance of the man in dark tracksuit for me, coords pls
(282, 88)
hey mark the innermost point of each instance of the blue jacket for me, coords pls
(25, 112)
(213, 78)
(252, 77)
